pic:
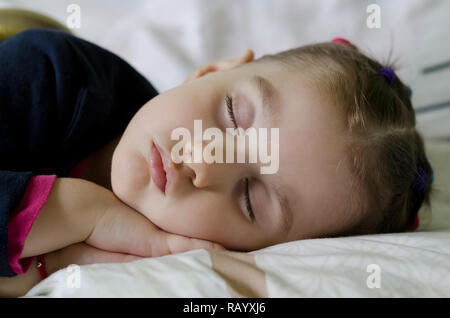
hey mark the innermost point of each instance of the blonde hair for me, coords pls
(386, 152)
(13, 21)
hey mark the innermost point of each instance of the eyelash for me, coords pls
(248, 204)
(229, 102)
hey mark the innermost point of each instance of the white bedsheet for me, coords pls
(166, 40)
(410, 265)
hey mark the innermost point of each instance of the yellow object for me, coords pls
(13, 21)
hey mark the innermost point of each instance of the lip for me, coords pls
(161, 168)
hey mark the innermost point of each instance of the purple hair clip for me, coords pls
(421, 182)
(388, 73)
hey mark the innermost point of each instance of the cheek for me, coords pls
(193, 215)
(129, 175)
(203, 216)
(177, 108)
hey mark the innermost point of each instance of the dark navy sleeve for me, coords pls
(61, 98)
(12, 187)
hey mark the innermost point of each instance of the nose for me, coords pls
(213, 174)
(207, 174)
(204, 174)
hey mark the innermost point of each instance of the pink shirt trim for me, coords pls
(21, 220)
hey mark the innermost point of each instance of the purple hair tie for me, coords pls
(421, 182)
(388, 73)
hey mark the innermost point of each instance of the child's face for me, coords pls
(206, 200)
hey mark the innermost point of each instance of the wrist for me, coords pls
(122, 229)
(52, 262)
(19, 285)
(40, 265)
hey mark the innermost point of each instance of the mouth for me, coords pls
(157, 171)
(162, 169)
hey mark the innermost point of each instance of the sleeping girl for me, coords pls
(87, 173)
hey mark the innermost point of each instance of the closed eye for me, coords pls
(248, 203)
(230, 110)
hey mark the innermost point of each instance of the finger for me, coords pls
(179, 244)
(83, 254)
(101, 256)
(200, 72)
(248, 56)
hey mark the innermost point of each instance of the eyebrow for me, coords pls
(269, 98)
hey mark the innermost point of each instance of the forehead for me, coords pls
(311, 123)
(312, 150)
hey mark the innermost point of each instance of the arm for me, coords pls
(19, 285)
(70, 214)
(78, 210)
(80, 253)
(57, 91)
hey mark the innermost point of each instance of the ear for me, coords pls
(222, 65)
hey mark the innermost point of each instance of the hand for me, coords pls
(79, 253)
(122, 229)
(83, 254)
(222, 65)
